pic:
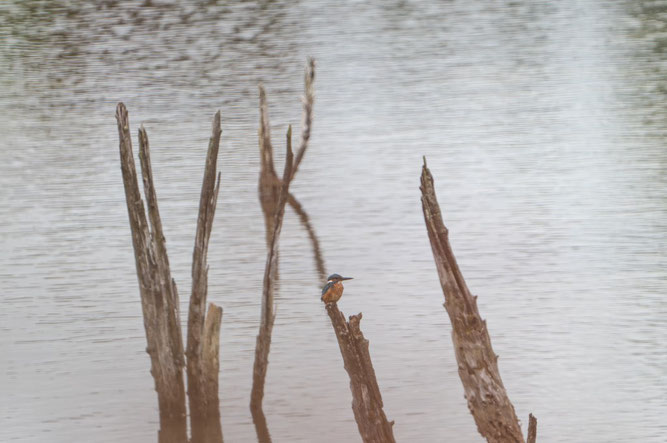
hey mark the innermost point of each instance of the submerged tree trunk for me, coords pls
(204, 329)
(478, 364)
(366, 398)
(211, 425)
(159, 298)
(160, 304)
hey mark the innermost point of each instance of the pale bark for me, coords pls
(477, 363)
(202, 385)
(210, 361)
(159, 299)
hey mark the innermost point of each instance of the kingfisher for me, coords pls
(333, 290)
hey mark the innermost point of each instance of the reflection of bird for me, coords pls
(333, 290)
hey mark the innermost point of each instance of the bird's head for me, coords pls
(336, 278)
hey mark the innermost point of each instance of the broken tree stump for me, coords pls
(366, 398)
(203, 328)
(159, 298)
(532, 429)
(478, 364)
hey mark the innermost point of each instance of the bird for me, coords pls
(333, 290)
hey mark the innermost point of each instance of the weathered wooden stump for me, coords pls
(478, 364)
(366, 397)
(159, 298)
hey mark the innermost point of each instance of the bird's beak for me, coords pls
(347, 278)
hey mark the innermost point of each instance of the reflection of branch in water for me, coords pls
(268, 316)
(269, 194)
(273, 195)
(307, 121)
(305, 221)
(261, 427)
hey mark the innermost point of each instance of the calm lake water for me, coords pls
(543, 124)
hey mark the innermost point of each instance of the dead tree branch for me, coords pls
(366, 398)
(532, 429)
(307, 120)
(263, 344)
(273, 195)
(269, 184)
(202, 386)
(478, 364)
(159, 299)
(305, 221)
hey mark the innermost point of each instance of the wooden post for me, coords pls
(159, 298)
(478, 364)
(366, 398)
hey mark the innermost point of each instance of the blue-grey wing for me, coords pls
(327, 287)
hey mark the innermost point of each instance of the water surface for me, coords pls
(543, 124)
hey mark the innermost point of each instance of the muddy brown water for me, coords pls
(543, 124)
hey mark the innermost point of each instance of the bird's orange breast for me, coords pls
(334, 293)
